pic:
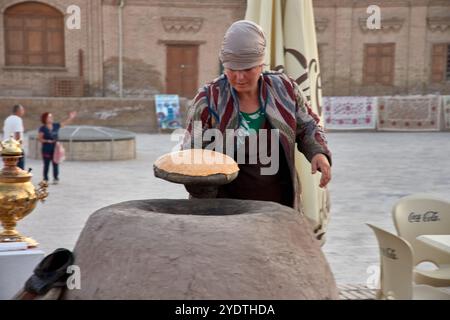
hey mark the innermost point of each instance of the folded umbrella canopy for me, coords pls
(292, 48)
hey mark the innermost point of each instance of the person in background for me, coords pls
(13, 126)
(48, 136)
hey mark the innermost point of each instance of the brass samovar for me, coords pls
(18, 196)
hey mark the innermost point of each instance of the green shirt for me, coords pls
(252, 122)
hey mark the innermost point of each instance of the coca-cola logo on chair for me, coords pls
(429, 216)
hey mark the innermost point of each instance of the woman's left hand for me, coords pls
(72, 115)
(320, 162)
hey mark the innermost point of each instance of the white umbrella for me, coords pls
(292, 46)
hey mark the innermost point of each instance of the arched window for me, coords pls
(34, 35)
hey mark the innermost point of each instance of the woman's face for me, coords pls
(50, 119)
(244, 80)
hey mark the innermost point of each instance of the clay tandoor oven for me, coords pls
(200, 249)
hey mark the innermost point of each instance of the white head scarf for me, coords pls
(243, 46)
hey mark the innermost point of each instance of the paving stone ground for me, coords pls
(371, 171)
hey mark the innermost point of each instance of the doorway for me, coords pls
(182, 70)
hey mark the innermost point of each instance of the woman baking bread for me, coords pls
(246, 100)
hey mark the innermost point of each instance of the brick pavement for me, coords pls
(371, 171)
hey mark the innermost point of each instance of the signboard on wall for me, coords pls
(168, 111)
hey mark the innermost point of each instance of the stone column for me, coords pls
(417, 50)
(94, 55)
(343, 36)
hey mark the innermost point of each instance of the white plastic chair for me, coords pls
(396, 265)
(422, 214)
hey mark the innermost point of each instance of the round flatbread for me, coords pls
(196, 166)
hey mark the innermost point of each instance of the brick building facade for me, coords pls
(172, 46)
(410, 54)
(154, 36)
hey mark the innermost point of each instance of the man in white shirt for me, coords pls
(13, 125)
